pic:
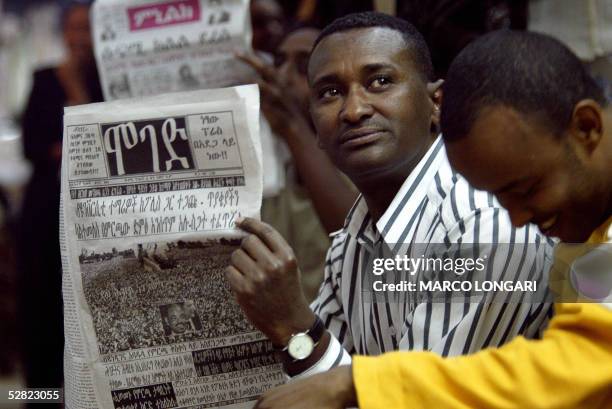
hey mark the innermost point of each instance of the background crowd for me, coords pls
(46, 63)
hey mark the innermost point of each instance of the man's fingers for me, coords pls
(269, 91)
(282, 397)
(266, 234)
(245, 265)
(258, 251)
(266, 401)
(235, 279)
(264, 70)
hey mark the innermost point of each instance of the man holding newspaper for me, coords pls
(375, 106)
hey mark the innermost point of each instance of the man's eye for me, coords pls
(525, 191)
(279, 60)
(531, 190)
(380, 82)
(328, 93)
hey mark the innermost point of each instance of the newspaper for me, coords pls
(146, 47)
(151, 47)
(150, 192)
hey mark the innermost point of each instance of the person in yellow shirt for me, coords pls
(521, 118)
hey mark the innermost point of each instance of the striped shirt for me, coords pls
(435, 205)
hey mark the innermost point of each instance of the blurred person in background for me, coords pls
(449, 25)
(583, 26)
(316, 202)
(75, 81)
(268, 24)
(320, 13)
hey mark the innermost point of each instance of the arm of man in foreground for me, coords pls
(569, 367)
(266, 281)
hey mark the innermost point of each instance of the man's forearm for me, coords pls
(331, 195)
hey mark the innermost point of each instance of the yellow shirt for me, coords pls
(570, 367)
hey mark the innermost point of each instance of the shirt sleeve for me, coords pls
(473, 321)
(328, 306)
(569, 367)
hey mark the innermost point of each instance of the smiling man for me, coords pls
(522, 119)
(375, 109)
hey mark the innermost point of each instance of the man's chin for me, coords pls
(371, 168)
(574, 234)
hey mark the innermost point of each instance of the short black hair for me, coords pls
(66, 7)
(371, 19)
(529, 72)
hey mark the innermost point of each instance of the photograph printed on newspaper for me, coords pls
(150, 192)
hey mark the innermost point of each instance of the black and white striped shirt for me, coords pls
(434, 205)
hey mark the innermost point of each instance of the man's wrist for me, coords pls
(295, 368)
(301, 324)
(347, 386)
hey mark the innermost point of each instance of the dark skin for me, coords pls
(373, 112)
(372, 109)
(284, 102)
(534, 174)
(267, 23)
(562, 183)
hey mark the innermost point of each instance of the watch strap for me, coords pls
(316, 332)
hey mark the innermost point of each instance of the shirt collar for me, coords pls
(358, 223)
(412, 192)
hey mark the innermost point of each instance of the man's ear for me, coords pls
(586, 125)
(434, 89)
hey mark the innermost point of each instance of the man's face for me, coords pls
(267, 24)
(369, 103)
(537, 176)
(291, 60)
(77, 35)
(177, 319)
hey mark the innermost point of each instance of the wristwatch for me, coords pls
(301, 344)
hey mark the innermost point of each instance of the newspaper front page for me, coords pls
(152, 47)
(146, 47)
(150, 192)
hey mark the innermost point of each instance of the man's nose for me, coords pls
(284, 75)
(356, 106)
(519, 215)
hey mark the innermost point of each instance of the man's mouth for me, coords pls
(361, 136)
(547, 225)
(182, 327)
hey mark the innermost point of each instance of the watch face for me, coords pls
(300, 346)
